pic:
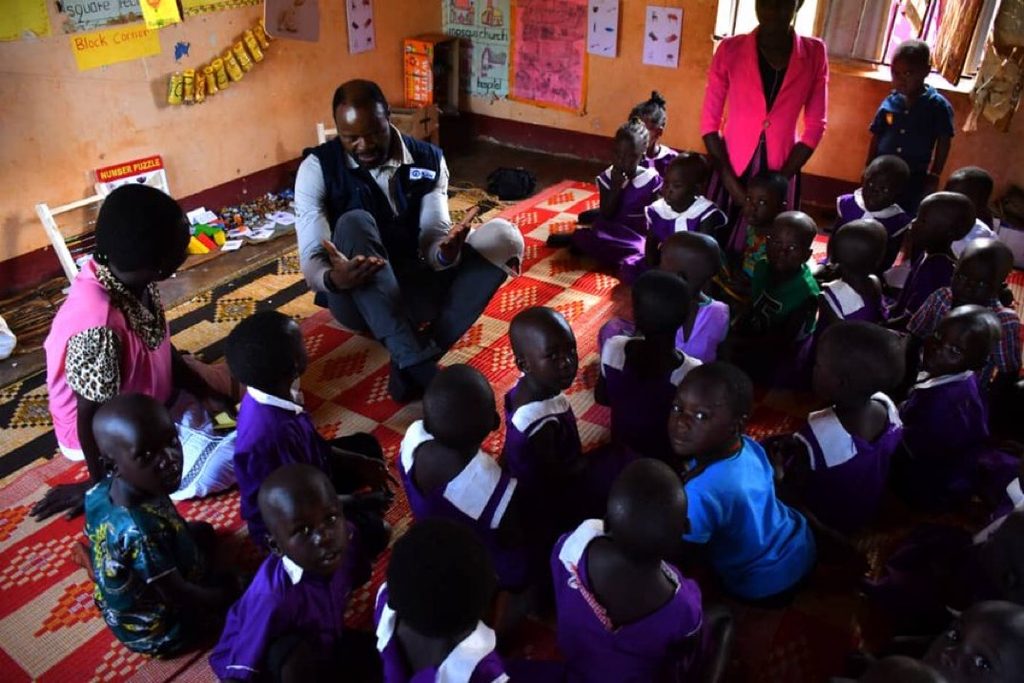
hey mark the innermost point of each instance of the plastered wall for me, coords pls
(616, 84)
(57, 124)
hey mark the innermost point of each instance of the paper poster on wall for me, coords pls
(483, 27)
(87, 15)
(361, 31)
(549, 53)
(113, 45)
(24, 17)
(603, 28)
(160, 13)
(294, 19)
(191, 8)
(663, 36)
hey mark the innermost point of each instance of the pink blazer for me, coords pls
(735, 78)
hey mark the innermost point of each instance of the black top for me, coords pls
(771, 79)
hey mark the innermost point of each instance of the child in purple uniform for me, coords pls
(696, 258)
(624, 613)
(760, 548)
(854, 252)
(837, 466)
(290, 623)
(616, 239)
(558, 485)
(945, 418)
(446, 475)
(655, 117)
(883, 181)
(979, 278)
(942, 568)
(429, 613)
(639, 374)
(943, 218)
(683, 206)
(265, 351)
(976, 184)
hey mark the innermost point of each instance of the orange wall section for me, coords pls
(616, 84)
(58, 124)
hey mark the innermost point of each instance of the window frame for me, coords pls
(822, 8)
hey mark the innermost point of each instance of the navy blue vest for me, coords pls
(349, 189)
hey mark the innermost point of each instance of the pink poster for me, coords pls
(549, 53)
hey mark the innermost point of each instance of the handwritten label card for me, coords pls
(663, 36)
(112, 45)
(603, 28)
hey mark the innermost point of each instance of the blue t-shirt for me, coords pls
(757, 545)
(911, 133)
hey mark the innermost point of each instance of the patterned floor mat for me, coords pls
(49, 627)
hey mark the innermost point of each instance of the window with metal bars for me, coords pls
(864, 30)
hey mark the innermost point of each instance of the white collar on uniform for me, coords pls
(699, 206)
(836, 443)
(843, 298)
(614, 355)
(1016, 496)
(293, 570)
(268, 400)
(643, 176)
(528, 415)
(472, 489)
(575, 545)
(395, 160)
(663, 151)
(461, 662)
(924, 383)
(888, 212)
(459, 665)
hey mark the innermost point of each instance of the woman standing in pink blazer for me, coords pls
(759, 83)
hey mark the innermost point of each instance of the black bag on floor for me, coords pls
(511, 183)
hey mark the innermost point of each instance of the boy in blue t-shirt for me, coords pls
(760, 548)
(914, 122)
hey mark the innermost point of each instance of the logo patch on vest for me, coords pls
(421, 174)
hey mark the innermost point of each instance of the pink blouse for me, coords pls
(734, 88)
(103, 342)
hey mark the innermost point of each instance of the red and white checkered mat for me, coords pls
(50, 629)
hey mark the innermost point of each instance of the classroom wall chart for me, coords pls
(549, 53)
(663, 36)
(603, 28)
(483, 26)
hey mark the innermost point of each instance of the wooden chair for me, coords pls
(323, 134)
(71, 248)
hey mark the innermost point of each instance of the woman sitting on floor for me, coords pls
(111, 337)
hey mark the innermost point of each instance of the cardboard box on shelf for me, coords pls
(420, 122)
